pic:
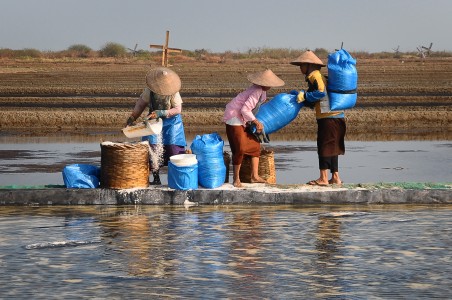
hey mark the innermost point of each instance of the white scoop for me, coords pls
(144, 128)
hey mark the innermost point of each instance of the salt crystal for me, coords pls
(156, 153)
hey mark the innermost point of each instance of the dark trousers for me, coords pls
(329, 163)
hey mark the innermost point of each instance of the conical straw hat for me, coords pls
(265, 78)
(163, 81)
(307, 57)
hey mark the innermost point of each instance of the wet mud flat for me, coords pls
(52, 96)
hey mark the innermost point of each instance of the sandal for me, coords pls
(315, 182)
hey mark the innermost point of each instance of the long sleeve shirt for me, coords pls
(241, 107)
(316, 93)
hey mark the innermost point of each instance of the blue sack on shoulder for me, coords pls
(278, 112)
(342, 80)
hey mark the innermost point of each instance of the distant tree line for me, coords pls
(116, 50)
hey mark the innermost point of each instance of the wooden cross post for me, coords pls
(165, 50)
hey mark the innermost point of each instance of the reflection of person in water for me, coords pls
(245, 246)
(145, 251)
(328, 235)
(136, 231)
(328, 264)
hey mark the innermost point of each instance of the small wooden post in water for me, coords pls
(165, 50)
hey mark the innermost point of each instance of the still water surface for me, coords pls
(238, 252)
(23, 162)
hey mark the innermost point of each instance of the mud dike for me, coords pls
(402, 193)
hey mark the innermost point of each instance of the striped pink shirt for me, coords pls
(243, 104)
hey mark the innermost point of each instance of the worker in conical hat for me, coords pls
(331, 125)
(239, 113)
(162, 98)
(307, 57)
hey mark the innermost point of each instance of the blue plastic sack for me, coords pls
(81, 176)
(172, 132)
(208, 149)
(342, 80)
(278, 112)
(182, 177)
(342, 101)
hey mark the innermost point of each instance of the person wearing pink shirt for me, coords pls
(240, 111)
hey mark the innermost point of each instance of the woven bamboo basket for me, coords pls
(124, 165)
(266, 167)
(227, 163)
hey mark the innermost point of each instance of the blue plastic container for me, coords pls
(182, 177)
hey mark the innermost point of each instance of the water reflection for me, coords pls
(328, 263)
(246, 253)
(141, 242)
(238, 252)
(115, 134)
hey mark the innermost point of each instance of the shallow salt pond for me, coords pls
(234, 252)
(41, 161)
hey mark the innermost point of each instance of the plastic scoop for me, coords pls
(147, 127)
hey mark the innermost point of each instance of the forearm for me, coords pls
(314, 96)
(174, 111)
(140, 106)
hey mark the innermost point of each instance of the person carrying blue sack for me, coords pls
(241, 111)
(164, 101)
(331, 125)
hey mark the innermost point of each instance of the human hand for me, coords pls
(300, 96)
(151, 116)
(259, 126)
(157, 114)
(130, 121)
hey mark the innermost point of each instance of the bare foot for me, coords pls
(337, 182)
(258, 179)
(237, 184)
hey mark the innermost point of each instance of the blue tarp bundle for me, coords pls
(208, 149)
(278, 112)
(81, 176)
(342, 80)
(182, 177)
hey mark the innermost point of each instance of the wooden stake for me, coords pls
(165, 50)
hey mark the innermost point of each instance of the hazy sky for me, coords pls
(236, 25)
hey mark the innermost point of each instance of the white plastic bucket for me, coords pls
(139, 130)
(182, 160)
